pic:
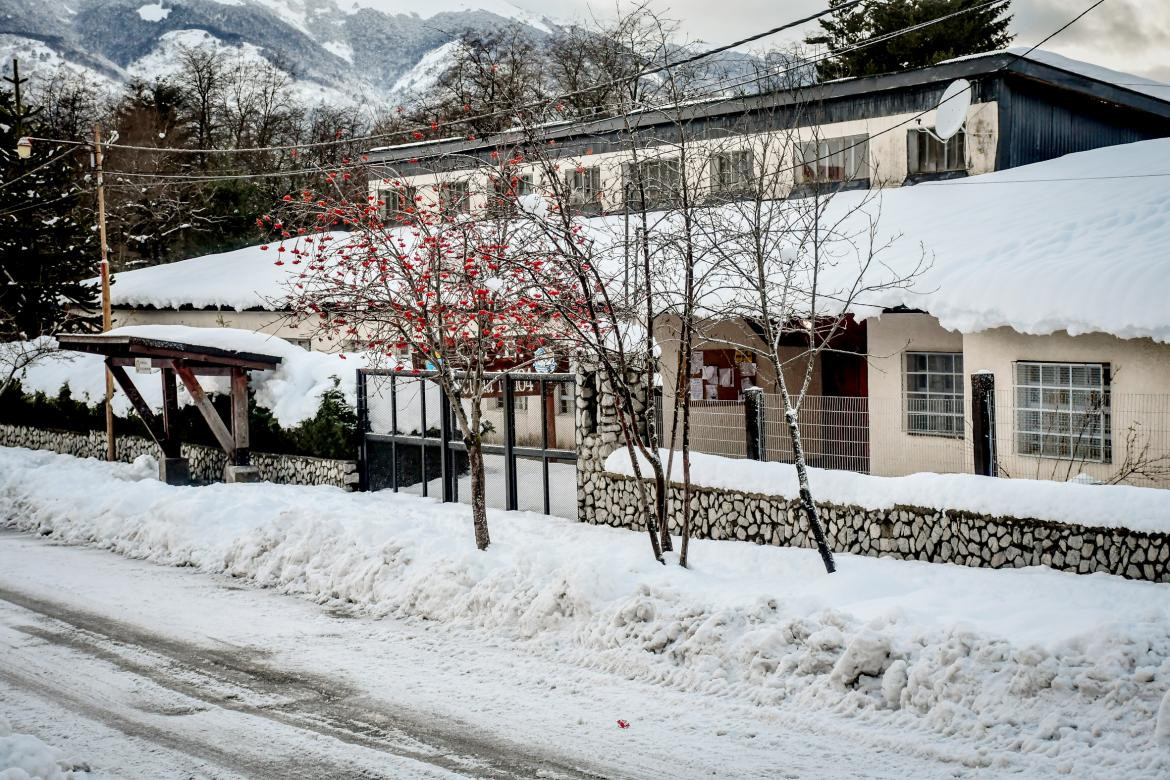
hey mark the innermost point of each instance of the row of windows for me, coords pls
(1061, 409)
(659, 182)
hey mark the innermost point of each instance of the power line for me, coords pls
(803, 65)
(492, 114)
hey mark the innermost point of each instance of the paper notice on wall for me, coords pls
(709, 374)
(696, 361)
(696, 389)
(712, 392)
(726, 377)
(745, 383)
(747, 369)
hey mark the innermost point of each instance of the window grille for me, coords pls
(732, 172)
(933, 396)
(1062, 410)
(660, 180)
(927, 154)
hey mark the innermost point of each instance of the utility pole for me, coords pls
(15, 80)
(107, 315)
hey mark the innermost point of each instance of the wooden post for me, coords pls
(753, 419)
(107, 315)
(983, 423)
(172, 447)
(242, 456)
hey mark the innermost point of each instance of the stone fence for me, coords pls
(942, 536)
(206, 462)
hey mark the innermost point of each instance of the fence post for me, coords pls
(753, 418)
(511, 499)
(983, 423)
(363, 427)
(447, 495)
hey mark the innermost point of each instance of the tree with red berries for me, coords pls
(420, 271)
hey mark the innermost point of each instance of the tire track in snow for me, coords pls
(237, 679)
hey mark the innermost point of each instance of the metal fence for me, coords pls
(1113, 438)
(411, 443)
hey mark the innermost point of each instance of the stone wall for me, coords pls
(206, 462)
(902, 532)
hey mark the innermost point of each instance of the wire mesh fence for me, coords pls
(1054, 435)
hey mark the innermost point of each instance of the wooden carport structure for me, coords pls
(182, 362)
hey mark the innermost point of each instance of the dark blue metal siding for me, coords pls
(1039, 124)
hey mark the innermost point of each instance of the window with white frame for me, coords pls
(925, 153)
(454, 196)
(833, 159)
(506, 192)
(584, 185)
(933, 396)
(566, 398)
(732, 172)
(659, 180)
(399, 202)
(1062, 410)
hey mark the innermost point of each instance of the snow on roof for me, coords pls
(243, 279)
(1080, 243)
(1117, 78)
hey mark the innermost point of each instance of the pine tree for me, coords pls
(45, 248)
(975, 31)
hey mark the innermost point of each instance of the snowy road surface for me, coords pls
(318, 633)
(141, 670)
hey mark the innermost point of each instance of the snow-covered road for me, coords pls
(141, 670)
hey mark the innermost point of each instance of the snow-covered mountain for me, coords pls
(356, 48)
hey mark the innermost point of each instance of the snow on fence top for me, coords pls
(1075, 244)
(1102, 506)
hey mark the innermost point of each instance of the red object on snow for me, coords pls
(623, 724)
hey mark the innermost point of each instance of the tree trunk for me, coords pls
(478, 495)
(806, 499)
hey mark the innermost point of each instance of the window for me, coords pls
(732, 172)
(833, 159)
(584, 185)
(400, 202)
(506, 192)
(454, 196)
(660, 180)
(927, 154)
(566, 398)
(1062, 410)
(933, 383)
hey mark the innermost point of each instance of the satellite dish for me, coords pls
(952, 109)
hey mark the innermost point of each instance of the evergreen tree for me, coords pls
(46, 249)
(975, 31)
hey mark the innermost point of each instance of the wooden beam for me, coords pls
(240, 416)
(144, 412)
(222, 434)
(172, 446)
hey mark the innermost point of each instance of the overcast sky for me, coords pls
(1128, 35)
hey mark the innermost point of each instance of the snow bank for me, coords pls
(1074, 670)
(24, 757)
(292, 391)
(1105, 506)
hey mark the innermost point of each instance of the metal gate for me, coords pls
(410, 441)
